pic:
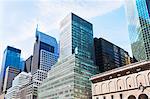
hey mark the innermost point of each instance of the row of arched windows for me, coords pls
(123, 83)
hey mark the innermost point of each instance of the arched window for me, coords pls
(104, 88)
(96, 89)
(120, 84)
(111, 86)
(140, 79)
(143, 96)
(130, 83)
(131, 97)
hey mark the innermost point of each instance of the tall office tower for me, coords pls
(11, 57)
(10, 74)
(45, 52)
(45, 55)
(69, 77)
(28, 63)
(138, 13)
(21, 79)
(109, 56)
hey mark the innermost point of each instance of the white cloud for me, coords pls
(56, 10)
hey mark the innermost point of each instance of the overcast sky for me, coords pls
(18, 20)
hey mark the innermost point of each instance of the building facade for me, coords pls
(109, 56)
(10, 74)
(45, 53)
(21, 79)
(28, 91)
(69, 77)
(127, 82)
(138, 13)
(11, 57)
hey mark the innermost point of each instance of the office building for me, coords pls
(138, 13)
(45, 53)
(69, 77)
(11, 57)
(28, 91)
(21, 79)
(10, 74)
(109, 56)
(28, 64)
(127, 82)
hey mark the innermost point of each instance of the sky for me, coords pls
(19, 18)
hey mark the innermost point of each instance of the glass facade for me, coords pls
(69, 78)
(11, 57)
(138, 12)
(76, 35)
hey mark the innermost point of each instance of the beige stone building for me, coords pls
(127, 82)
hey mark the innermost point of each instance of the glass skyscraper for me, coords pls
(138, 13)
(69, 78)
(76, 37)
(11, 57)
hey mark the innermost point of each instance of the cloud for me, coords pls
(56, 10)
(19, 18)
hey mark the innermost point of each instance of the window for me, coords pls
(104, 97)
(121, 96)
(112, 97)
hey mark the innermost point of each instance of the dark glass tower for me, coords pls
(138, 12)
(109, 56)
(11, 57)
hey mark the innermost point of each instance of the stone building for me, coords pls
(127, 82)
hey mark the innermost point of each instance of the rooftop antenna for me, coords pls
(37, 27)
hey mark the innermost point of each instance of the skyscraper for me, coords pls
(76, 37)
(45, 53)
(138, 13)
(109, 56)
(69, 77)
(11, 57)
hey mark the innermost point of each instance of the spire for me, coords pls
(37, 27)
(36, 33)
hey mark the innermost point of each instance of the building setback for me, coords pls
(138, 13)
(127, 82)
(11, 57)
(109, 56)
(69, 77)
(28, 64)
